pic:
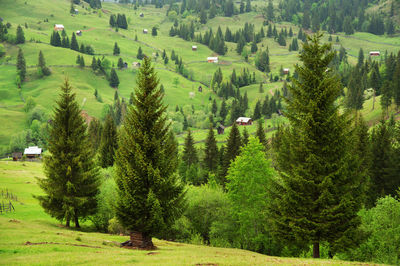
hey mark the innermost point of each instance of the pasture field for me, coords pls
(30, 236)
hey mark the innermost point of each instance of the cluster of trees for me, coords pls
(337, 16)
(118, 21)
(268, 107)
(179, 66)
(96, 4)
(56, 40)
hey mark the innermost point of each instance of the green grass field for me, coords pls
(97, 32)
(53, 244)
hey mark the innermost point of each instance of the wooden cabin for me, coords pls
(33, 152)
(141, 15)
(58, 27)
(244, 121)
(78, 33)
(194, 48)
(145, 31)
(220, 129)
(286, 71)
(212, 59)
(374, 53)
(135, 64)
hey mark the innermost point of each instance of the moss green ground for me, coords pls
(62, 246)
(96, 32)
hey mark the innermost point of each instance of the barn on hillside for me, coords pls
(244, 121)
(58, 27)
(33, 152)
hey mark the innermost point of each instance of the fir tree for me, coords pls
(116, 50)
(154, 31)
(94, 132)
(108, 143)
(245, 137)
(189, 156)
(20, 35)
(260, 133)
(42, 65)
(214, 108)
(74, 42)
(71, 182)
(21, 65)
(120, 63)
(94, 64)
(210, 160)
(234, 142)
(203, 17)
(316, 200)
(223, 111)
(140, 54)
(149, 197)
(82, 61)
(114, 80)
(257, 111)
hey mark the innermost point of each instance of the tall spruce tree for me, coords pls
(114, 80)
(108, 143)
(42, 65)
(260, 133)
(74, 42)
(189, 156)
(231, 150)
(116, 50)
(316, 199)
(245, 136)
(94, 131)
(150, 198)
(21, 65)
(20, 35)
(210, 160)
(71, 182)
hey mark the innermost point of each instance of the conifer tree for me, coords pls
(214, 108)
(315, 199)
(20, 35)
(120, 63)
(396, 82)
(108, 143)
(74, 43)
(154, 31)
(223, 111)
(140, 54)
(189, 156)
(94, 132)
(260, 133)
(234, 142)
(116, 50)
(71, 182)
(21, 65)
(257, 111)
(82, 61)
(210, 160)
(150, 198)
(42, 65)
(114, 80)
(245, 137)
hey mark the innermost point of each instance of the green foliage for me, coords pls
(42, 65)
(109, 143)
(149, 196)
(116, 50)
(71, 184)
(21, 65)
(114, 80)
(232, 150)
(20, 35)
(210, 160)
(29, 104)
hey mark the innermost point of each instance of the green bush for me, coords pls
(114, 227)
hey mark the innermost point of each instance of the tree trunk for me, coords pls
(316, 250)
(76, 220)
(141, 240)
(67, 223)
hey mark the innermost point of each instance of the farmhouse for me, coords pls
(33, 152)
(76, 11)
(220, 129)
(79, 33)
(17, 156)
(374, 53)
(244, 121)
(194, 48)
(58, 27)
(145, 31)
(141, 15)
(135, 64)
(286, 71)
(212, 59)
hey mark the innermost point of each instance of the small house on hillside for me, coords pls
(194, 47)
(141, 15)
(76, 11)
(78, 33)
(212, 59)
(33, 152)
(135, 64)
(286, 71)
(374, 53)
(200, 89)
(17, 156)
(220, 129)
(244, 121)
(58, 27)
(145, 31)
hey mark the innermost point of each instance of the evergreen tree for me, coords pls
(140, 54)
(214, 108)
(257, 111)
(248, 6)
(189, 156)
(396, 82)
(210, 160)
(82, 61)
(315, 199)
(245, 137)
(386, 96)
(149, 196)
(94, 64)
(42, 65)
(270, 11)
(120, 63)
(116, 50)
(21, 65)
(223, 111)
(71, 182)
(74, 42)
(234, 142)
(254, 47)
(108, 143)
(260, 133)
(114, 80)
(94, 132)
(112, 20)
(203, 17)
(154, 31)
(360, 60)
(20, 35)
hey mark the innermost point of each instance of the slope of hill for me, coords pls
(29, 236)
(41, 15)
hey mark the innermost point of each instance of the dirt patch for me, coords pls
(14, 221)
(90, 29)
(226, 63)
(153, 253)
(27, 243)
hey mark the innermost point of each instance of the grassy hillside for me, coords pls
(97, 33)
(29, 236)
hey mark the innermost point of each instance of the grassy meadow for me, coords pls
(30, 236)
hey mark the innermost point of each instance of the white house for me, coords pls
(58, 27)
(286, 71)
(212, 59)
(244, 121)
(33, 152)
(374, 53)
(145, 31)
(194, 48)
